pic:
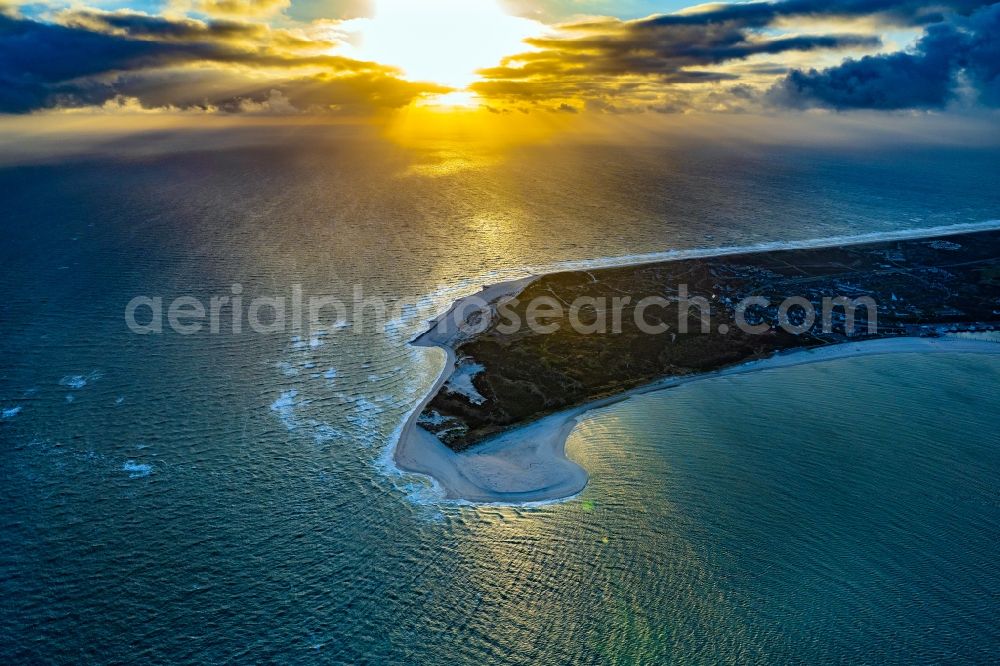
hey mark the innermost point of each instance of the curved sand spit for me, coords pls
(528, 464)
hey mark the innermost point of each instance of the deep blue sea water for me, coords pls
(226, 498)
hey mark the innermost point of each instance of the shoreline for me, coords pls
(524, 277)
(528, 464)
(627, 260)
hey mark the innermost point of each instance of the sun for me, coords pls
(440, 41)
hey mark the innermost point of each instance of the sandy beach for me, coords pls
(528, 464)
(519, 467)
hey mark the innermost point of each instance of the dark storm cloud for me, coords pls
(761, 14)
(36, 57)
(92, 57)
(598, 59)
(926, 78)
(981, 57)
(670, 62)
(145, 26)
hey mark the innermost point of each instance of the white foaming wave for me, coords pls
(363, 417)
(985, 336)
(419, 489)
(287, 369)
(285, 407)
(363, 427)
(137, 470)
(324, 433)
(79, 381)
(425, 493)
(10, 413)
(415, 317)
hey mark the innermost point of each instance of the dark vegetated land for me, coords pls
(919, 287)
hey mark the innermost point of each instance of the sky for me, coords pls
(597, 57)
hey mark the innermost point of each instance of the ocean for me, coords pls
(230, 497)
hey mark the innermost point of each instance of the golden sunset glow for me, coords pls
(440, 41)
(467, 135)
(373, 59)
(460, 99)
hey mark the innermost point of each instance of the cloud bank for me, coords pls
(961, 55)
(237, 56)
(89, 57)
(682, 61)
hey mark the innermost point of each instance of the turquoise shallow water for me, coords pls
(847, 510)
(225, 497)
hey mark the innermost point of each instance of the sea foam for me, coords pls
(285, 407)
(136, 470)
(79, 381)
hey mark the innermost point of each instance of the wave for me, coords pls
(79, 381)
(136, 470)
(285, 407)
